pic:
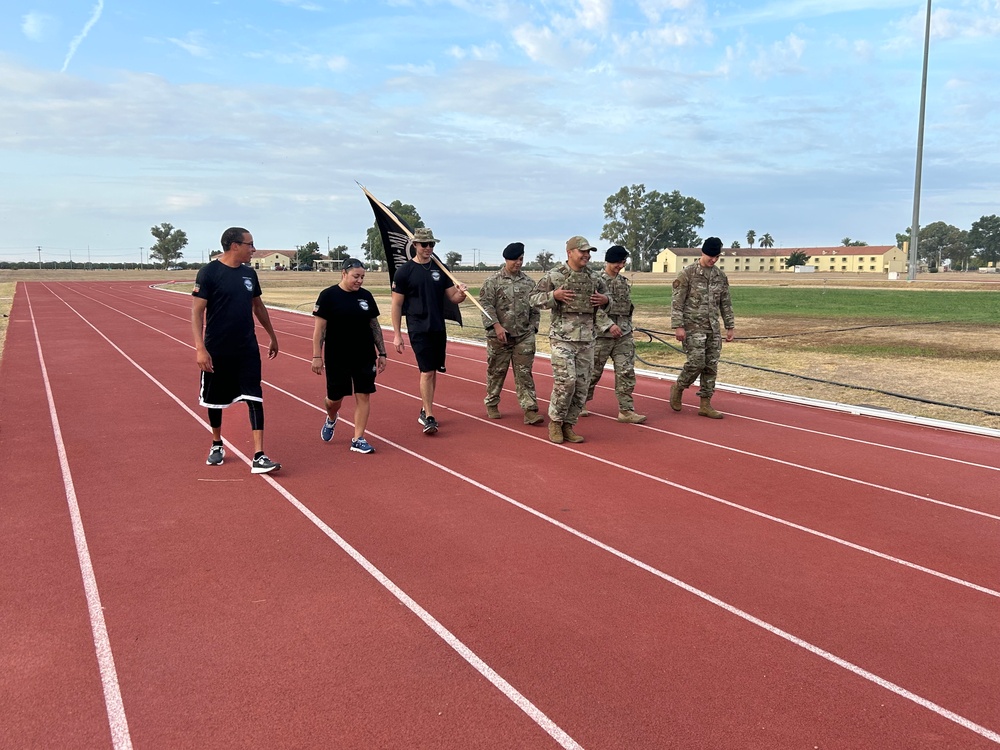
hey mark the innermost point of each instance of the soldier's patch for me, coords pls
(677, 283)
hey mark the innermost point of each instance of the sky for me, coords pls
(499, 120)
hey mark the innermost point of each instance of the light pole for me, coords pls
(915, 222)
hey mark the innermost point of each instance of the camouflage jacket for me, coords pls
(576, 321)
(504, 297)
(620, 310)
(700, 296)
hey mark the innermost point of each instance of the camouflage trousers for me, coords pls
(572, 365)
(622, 354)
(517, 354)
(703, 349)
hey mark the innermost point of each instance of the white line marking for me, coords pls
(117, 720)
(532, 711)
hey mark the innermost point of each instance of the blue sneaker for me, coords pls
(328, 427)
(360, 445)
(215, 455)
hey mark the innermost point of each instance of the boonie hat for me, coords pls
(424, 234)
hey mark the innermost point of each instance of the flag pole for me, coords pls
(409, 234)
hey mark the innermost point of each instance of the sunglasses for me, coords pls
(424, 244)
(353, 263)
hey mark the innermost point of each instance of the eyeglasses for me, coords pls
(246, 243)
(424, 244)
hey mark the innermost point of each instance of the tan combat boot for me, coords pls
(675, 396)
(556, 432)
(571, 437)
(630, 417)
(492, 412)
(584, 412)
(532, 417)
(706, 409)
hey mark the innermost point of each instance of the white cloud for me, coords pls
(193, 43)
(781, 57)
(35, 25)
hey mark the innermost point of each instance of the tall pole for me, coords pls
(915, 222)
(39, 257)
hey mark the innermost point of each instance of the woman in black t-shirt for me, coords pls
(347, 341)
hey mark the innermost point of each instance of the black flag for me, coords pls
(397, 240)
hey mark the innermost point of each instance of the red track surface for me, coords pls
(787, 578)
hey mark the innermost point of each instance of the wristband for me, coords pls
(318, 357)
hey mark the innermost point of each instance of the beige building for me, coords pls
(880, 259)
(271, 260)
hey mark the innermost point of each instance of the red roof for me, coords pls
(782, 252)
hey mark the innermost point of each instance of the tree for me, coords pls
(984, 239)
(735, 245)
(797, 258)
(767, 240)
(452, 260)
(848, 242)
(373, 243)
(940, 241)
(644, 222)
(544, 261)
(751, 236)
(168, 245)
(305, 254)
(339, 253)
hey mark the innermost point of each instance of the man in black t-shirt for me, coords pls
(226, 299)
(419, 288)
(347, 332)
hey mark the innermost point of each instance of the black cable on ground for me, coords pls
(655, 336)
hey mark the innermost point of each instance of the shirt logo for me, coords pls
(436, 275)
(363, 304)
(248, 283)
(197, 288)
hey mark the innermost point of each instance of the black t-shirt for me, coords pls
(424, 288)
(348, 317)
(229, 326)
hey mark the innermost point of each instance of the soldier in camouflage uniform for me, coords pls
(615, 341)
(701, 294)
(572, 292)
(511, 324)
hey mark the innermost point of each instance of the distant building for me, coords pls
(873, 259)
(273, 260)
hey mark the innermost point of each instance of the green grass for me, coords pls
(857, 304)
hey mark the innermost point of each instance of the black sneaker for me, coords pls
(422, 418)
(263, 465)
(215, 455)
(430, 425)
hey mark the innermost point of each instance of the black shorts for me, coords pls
(236, 377)
(429, 349)
(344, 378)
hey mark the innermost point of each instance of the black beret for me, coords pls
(615, 254)
(712, 247)
(513, 251)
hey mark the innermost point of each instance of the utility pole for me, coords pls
(140, 257)
(39, 257)
(915, 222)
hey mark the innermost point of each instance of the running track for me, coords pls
(789, 577)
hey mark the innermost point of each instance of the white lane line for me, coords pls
(508, 690)
(117, 720)
(746, 616)
(801, 643)
(653, 477)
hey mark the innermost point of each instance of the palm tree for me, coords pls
(735, 245)
(767, 240)
(751, 236)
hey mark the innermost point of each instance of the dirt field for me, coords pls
(953, 364)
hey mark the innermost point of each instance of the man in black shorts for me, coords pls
(226, 299)
(418, 291)
(347, 331)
